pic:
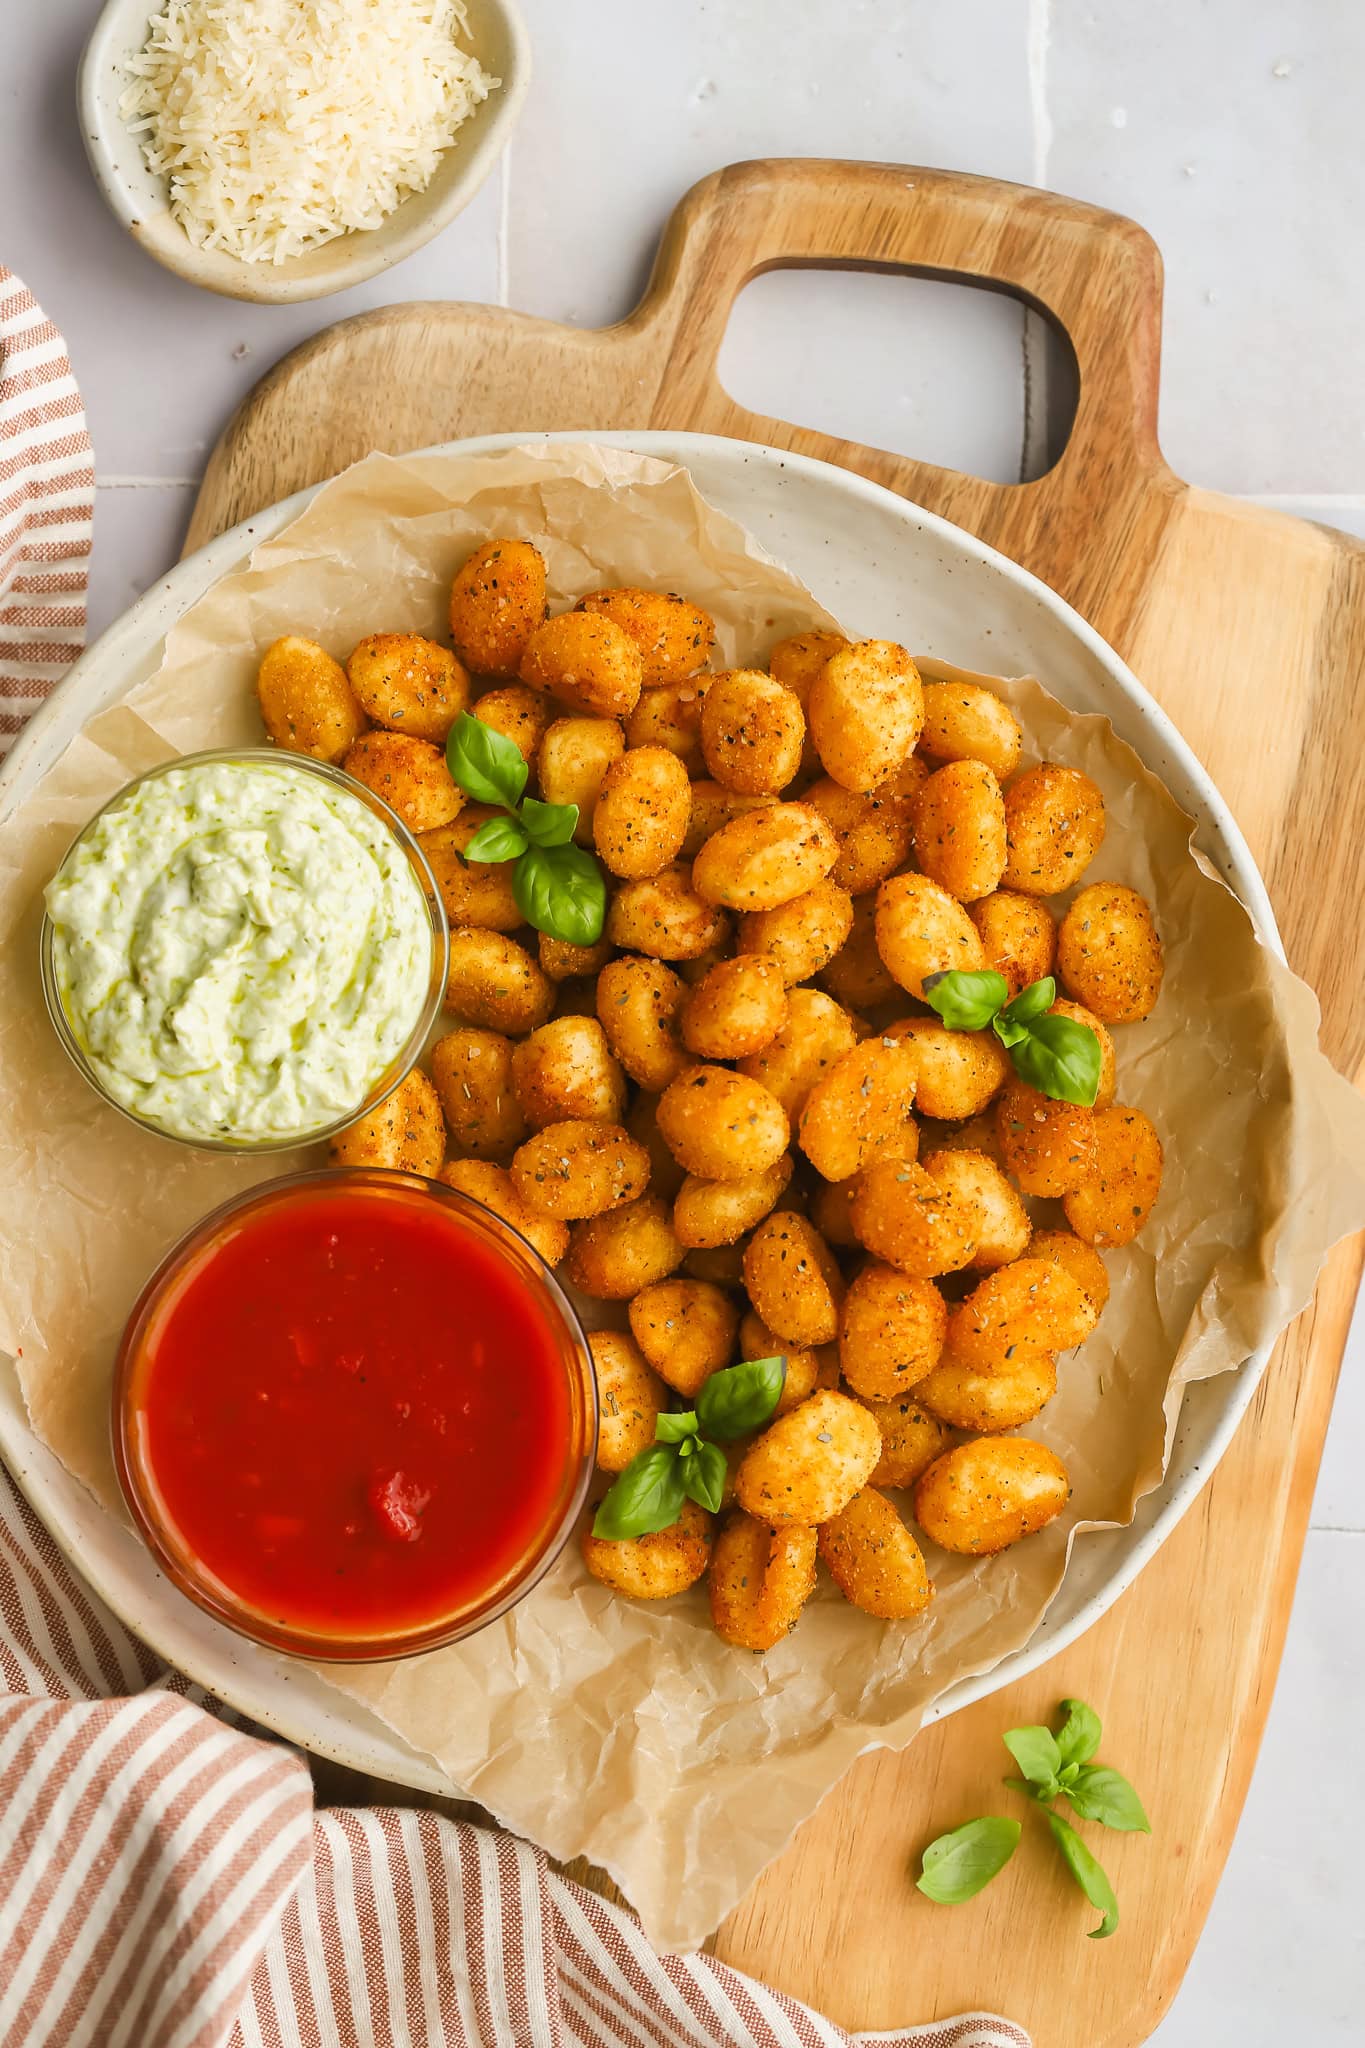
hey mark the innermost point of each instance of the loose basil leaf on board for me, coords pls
(1079, 1735)
(741, 1398)
(965, 999)
(561, 891)
(1060, 1058)
(499, 839)
(1036, 1753)
(1030, 1002)
(704, 1476)
(671, 1429)
(1088, 1875)
(485, 763)
(548, 824)
(1102, 1794)
(960, 1864)
(646, 1497)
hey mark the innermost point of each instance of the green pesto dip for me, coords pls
(241, 949)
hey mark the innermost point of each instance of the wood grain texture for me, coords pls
(1249, 627)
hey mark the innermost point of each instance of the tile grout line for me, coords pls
(146, 483)
(1335, 1529)
(1033, 446)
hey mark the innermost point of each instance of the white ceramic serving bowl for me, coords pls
(866, 554)
(138, 198)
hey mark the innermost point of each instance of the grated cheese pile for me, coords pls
(281, 124)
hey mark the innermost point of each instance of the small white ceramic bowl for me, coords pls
(138, 198)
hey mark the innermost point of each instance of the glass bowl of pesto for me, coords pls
(244, 950)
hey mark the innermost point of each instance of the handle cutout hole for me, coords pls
(954, 374)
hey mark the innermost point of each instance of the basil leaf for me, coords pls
(1068, 1774)
(704, 1478)
(1088, 1875)
(1042, 1793)
(740, 1398)
(965, 1000)
(499, 839)
(960, 1864)
(1060, 1058)
(647, 1496)
(561, 891)
(548, 824)
(1105, 1795)
(671, 1429)
(1009, 1034)
(485, 763)
(1036, 1753)
(1079, 1735)
(1030, 1002)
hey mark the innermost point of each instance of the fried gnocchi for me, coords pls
(760, 1579)
(983, 1496)
(408, 684)
(866, 711)
(306, 700)
(874, 1560)
(808, 1464)
(496, 603)
(1109, 955)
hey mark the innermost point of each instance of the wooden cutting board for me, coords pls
(1249, 627)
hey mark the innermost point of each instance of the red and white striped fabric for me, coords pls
(164, 1879)
(47, 504)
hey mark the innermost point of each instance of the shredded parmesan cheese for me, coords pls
(281, 124)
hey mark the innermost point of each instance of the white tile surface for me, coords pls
(1231, 128)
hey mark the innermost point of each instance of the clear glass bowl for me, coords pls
(153, 1518)
(412, 1048)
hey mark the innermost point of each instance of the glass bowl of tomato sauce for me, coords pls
(354, 1415)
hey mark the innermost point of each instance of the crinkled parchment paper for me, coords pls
(629, 1733)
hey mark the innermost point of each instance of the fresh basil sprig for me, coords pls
(1055, 1766)
(1055, 1055)
(683, 1463)
(559, 887)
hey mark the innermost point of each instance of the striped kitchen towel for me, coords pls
(47, 504)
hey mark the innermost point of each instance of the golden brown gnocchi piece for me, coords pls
(808, 1464)
(875, 832)
(960, 1072)
(752, 732)
(798, 660)
(722, 1264)
(672, 636)
(963, 722)
(860, 1104)
(830, 1204)
(665, 917)
(408, 684)
(306, 702)
(960, 830)
(874, 1560)
(713, 806)
(891, 1331)
(494, 982)
(583, 661)
(640, 819)
(866, 709)
(630, 1399)
(669, 715)
(1018, 936)
(764, 858)
(1084, 1264)
(1001, 1225)
(760, 1579)
(612, 1256)
(1054, 822)
(565, 1070)
(475, 892)
(1109, 955)
(491, 1185)
(472, 1070)
(857, 975)
(735, 1009)
(707, 1213)
(404, 1132)
(666, 1177)
(638, 1005)
(653, 1567)
(686, 1329)
(571, 765)
(522, 716)
(721, 1125)
(911, 1440)
(793, 1280)
(817, 1033)
(410, 775)
(921, 930)
(983, 1496)
(1111, 1206)
(913, 1220)
(579, 1168)
(1018, 1310)
(803, 935)
(802, 1361)
(1048, 1146)
(496, 603)
(968, 1397)
(563, 961)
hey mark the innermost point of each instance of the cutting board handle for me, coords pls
(1095, 275)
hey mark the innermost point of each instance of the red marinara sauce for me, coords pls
(354, 1414)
